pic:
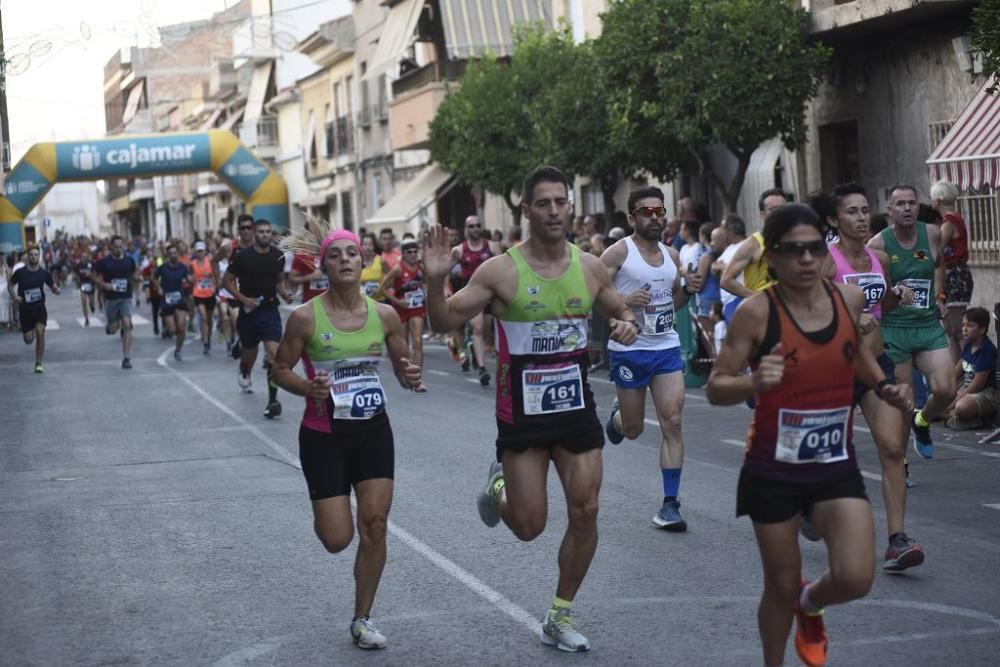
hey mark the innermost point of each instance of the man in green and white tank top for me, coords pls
(913, 334)
(541, 292)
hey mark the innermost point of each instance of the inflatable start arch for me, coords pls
(134, 156)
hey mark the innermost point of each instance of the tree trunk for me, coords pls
(515, 209)
(609, 185)
(735, 185)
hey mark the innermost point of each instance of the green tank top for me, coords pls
(542, 352)
(913, 267)
(351, 360)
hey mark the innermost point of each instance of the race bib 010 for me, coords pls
(873, 285)
(812, 436)
(552, 389)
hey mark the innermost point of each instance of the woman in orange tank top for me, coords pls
(801, 338)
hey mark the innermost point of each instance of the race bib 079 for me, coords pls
(812, 436)
(356, 392)
(552, 389)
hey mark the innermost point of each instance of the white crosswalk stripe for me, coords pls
(53, 325)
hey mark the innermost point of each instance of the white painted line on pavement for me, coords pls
(436, 372)
(53, 325)
(864, 473)
(993, 506)
(967, 450)
(139, 319)
(462, 576)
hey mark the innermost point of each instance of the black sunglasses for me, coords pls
(800, 248)
(242, 227)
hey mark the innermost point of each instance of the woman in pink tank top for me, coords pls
(851, 261)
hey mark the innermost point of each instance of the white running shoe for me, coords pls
(560, 630)
(366, 635)
(244, 381)
(488, 503)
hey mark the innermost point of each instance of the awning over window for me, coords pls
(760, 177)
(475, 27)
(258, 92)
(418, 194)
(969, 155)
(132, 105)
(397, 33)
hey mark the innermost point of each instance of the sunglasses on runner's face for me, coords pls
(650, 211)
(799, 248)
(243, 228)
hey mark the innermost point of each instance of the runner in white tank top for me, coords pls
(646, 273)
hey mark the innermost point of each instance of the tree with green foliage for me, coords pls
(481, 131)
(698, 74)
(986, 38)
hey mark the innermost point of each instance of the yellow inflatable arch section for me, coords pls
(135, 156)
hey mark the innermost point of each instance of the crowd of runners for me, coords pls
(811, 317)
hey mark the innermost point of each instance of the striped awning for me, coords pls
(969, 155)
(473, 28)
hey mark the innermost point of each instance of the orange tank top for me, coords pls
(204, 281)
(801, 429)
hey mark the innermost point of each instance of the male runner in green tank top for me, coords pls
(913, 334)
(541, 291)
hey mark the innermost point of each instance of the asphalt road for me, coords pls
(153, 516)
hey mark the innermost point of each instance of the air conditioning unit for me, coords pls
(968, 60)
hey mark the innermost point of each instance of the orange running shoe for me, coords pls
(810, 636)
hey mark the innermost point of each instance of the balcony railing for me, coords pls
(450, 70)
(263, 133)
(339, 136)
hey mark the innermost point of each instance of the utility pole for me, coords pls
(4, 127)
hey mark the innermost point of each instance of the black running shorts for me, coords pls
(770, 501)
(31, 316)
(587, 436)
(334, 463)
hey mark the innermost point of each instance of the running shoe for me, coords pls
(420, 388)
(922, 442)
(613, 435)
(465, 364)
(177, 355)
(906, 471)
(669, 517)
(560, 630)
(903, 553)
(243, 379)
(206, 350)
(38, 367)
(273, 410)
(808, 529)
(236, 350)
(488, 502)
(86, 322)
(484, 376)
(366, 635)
(126, 364)
(453, 350)
(810, 636)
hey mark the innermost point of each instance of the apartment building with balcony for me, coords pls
(148, 90)
(899, 93)
(327, 108)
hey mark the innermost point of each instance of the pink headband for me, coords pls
(337, 235)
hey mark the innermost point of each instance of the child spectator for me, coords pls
(978, 395)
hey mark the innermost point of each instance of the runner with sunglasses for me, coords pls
(647, 275)
(404, 288)
(847, 213)
(802, 340)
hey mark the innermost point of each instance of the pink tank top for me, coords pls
(873, 281)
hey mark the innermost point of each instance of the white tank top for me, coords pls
(656, 320)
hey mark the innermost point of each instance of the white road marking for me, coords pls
(139, 319)
(437, 372)
(864, 473)
(462, 576)
(993, 506)
(53, 325)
